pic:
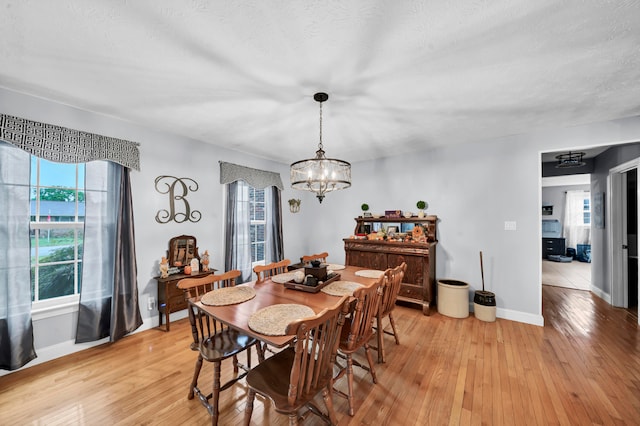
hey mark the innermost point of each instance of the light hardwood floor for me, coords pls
(576, 275)
(581, 368)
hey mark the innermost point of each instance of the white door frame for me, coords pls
(616, 217)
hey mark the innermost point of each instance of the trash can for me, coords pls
(453, 298)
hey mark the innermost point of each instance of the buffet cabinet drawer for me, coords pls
(411, 291)
(553, 246)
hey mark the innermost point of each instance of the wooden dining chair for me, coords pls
(293, 377)
(322, 257)
(214, 341)
(356, 333)
(393, 281)
(265, 271)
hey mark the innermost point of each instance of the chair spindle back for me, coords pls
(265, 271)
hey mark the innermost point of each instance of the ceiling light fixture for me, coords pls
(569, 160)
(320, 174)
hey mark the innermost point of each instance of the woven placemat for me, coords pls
(334, 267)
(273, 320)
(228, 296)
(341, 288)
(283, 278)
(369, 273)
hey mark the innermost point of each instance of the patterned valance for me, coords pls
(260, 179)
(64, 145)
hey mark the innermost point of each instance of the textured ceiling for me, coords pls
(401, 75)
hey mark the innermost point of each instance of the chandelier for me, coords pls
(569, 160)
(320, 174)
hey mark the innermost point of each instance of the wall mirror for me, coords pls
(182, 249)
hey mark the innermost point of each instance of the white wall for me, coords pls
(473, 189)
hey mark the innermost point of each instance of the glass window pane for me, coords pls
(259, 233)
(260, 251)
(259, 212)
(58, 191)
(53, 208)
(80, 243)
(57, 174)
(33, 180)
(55, 281)
(55, 245)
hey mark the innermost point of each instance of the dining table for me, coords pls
(270, 293)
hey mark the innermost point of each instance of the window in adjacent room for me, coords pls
(57, 202)
(586, 210)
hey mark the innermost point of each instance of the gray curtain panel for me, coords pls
(16, 327)
(237, 231)
(273, 227)
(109, 295)
(125, 308)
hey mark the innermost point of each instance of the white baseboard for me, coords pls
(601, 294)
(518, 316)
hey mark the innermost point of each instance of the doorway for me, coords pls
(623, 223)
(631, 222)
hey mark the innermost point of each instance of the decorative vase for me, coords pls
(421, 214)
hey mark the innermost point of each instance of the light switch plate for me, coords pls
(509, 225)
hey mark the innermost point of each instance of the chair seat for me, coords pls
(271, 377)
(225, 344)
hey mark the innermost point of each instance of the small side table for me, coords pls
(170, 297)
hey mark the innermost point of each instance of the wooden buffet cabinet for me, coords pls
(419, 283)
(170, 297)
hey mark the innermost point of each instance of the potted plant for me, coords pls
(365, 209)
(421, 205)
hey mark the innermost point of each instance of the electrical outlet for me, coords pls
(510, 226)
(151, 303)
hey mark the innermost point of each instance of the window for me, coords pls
(586, 211)
(257, 217)
(57, 205)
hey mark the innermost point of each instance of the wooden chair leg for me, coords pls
(293, 419)
(380, 335)
(248, 408)
(215, 396)
(370, 360)
(196, 374)
(393, 326)
(327, 395)
(350, 384)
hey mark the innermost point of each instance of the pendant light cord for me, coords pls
(320, 144)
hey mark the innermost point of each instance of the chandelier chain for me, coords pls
(320, 144)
